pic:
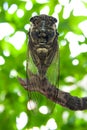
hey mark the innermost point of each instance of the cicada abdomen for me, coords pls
(43, 54)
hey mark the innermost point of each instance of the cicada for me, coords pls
(43, 55)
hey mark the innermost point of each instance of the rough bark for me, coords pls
(53, 93)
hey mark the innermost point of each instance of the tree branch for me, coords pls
(53, 93)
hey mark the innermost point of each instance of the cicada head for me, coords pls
(43, 30)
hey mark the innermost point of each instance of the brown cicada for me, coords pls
(43, 54)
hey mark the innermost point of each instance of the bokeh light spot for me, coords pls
(20, 13)
(31, 105)
(21, 121)
(75, 62)
(12, 9)
(5, 6)
(28, 5)
(44, 109)
(45, 10)
(2, 61)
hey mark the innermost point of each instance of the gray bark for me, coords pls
(53, 93)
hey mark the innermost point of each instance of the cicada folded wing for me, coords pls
(30, 71)
(53, 72)
(36, 101)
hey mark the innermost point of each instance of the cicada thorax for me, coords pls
(43, 42)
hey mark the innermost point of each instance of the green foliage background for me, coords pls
(13, 98)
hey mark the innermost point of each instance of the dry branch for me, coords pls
(53, 93)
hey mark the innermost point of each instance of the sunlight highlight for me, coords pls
(72, 7)
(6, 53)
(5, 30)
(44, 110)
(45, 10)
(58, 8)
(34, 14)
(18, 39)
(63, 2)
(75, 62)
(44, 128)
(5, 6)
(63, 42)
(31, 105)
(21, 121)
(41, 1)
(34, 128)
(81, 10)
(69, 88)
(2, 108)
(65, 116)
(26, 27)
(2, 60)
(69, 79)
(20, 13)
(51, 124)
(81, 115)
(74, 45)
(83, 84)
(83, 27)
(24, 64)
(28, 5)
(13, 73)
(12, 9)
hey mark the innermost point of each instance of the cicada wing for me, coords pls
(37, 102)
(30, 70)
(53, 72)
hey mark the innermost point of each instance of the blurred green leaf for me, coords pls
(13, 98)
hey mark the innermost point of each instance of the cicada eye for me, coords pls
(34, 33)
(51, 33)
